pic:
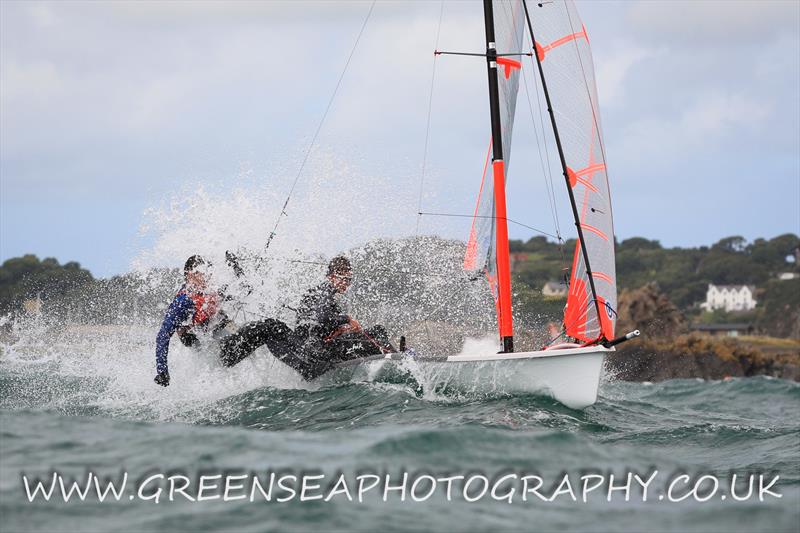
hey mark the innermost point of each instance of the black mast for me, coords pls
(564, 167)
(494, 91)
(498, 171)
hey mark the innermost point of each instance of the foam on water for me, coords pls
(109, 363)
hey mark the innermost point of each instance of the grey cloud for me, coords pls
(691, 23)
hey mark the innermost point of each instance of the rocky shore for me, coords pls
(701, 356)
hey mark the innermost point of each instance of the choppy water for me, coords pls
(104, 415)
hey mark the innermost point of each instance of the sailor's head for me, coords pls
(195, 272)
(340, 273)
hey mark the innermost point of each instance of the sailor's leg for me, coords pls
(309, 359)
(274, 333)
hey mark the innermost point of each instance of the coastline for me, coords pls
(705, 357)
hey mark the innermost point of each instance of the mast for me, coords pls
(575, 214)
(498, 172)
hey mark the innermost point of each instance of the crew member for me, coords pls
(191, 311)
(323, 334)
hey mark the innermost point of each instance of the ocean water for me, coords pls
(78, 409)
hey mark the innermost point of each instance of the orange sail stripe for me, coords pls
(587, 184)
(472, 244)
(542, 50)
(508, 65)
(600, 275)
(594, 230)
(576, 177)
(591, 169)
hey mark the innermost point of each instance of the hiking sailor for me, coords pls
(323, 335)
(194, 309)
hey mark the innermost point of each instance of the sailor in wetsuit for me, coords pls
(191, 311)
(324, 335)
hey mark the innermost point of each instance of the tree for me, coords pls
(26, 277)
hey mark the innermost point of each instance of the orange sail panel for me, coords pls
(470, 258)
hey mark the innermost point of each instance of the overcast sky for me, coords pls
(112, 114)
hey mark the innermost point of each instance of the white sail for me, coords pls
(509, 19)
(562, 45)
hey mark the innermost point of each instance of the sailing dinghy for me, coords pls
(558, 46)
(549, 38)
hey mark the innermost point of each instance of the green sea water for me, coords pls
(59, 415)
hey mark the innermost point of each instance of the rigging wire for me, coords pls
(319, 127)
(537, 230)
(549, 173)
(551, 187)
(428, 122)
(388, 270)
(550, 195)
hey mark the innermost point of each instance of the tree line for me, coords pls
(683, 274)
(679, 276)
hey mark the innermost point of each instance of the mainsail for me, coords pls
(505, 25)
(509, 19)
(562, 48)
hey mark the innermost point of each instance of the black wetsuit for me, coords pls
(308, 348)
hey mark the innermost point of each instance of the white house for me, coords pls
(554, 289)
(729, 297)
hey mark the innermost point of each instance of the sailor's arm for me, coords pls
(178, 311)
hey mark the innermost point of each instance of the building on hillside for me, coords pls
(786, 276)
(554, 289)
(729, 297)
(724, 330)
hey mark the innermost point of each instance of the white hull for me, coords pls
(571, 376)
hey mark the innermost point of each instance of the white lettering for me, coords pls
(341, 481)
(229, 486)
(535, 490)
(565, 487)
(305, 486)
(361, 489)
(40, 486)
(672, 484)
(586, 488)
(203, 487)
(508, 495)
(401, 487)
(287, 488)
(645, 484)
(179, 490)
(431, 480)
(155, 496)
(626, 487)
(483, 479)
(765, 490)
(449, 481)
